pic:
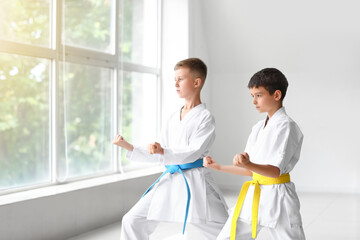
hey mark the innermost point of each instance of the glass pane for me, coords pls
(139, 110)
(26, 21)
(24, 121)
(85, 120)
(139, 36)
(90, 24)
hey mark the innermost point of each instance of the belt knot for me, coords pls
(254, 182)
(173, 168)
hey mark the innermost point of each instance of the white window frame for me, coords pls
(56, 53)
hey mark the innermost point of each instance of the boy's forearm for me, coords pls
(235, 170)
(264, 170)
(128, 147)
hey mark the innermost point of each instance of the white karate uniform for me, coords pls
(277, 144)
(184, 141)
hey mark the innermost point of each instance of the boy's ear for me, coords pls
(277, 95)
(197, 82)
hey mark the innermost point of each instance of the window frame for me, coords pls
(58, 52)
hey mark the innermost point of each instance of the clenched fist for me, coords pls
(241, 160)
(121, 142)
(155, 148)
(209, 162)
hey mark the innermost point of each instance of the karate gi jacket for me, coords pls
(277, 144)
(185, 141)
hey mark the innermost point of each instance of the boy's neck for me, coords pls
(192, 102)
(274, 110)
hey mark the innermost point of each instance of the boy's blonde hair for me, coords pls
(197, 68)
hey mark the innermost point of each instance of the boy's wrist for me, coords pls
(129, 147)
(246, 165)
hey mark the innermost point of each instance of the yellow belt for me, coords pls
(257, 181)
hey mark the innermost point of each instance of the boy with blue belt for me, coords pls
(272, 150)
(185, 192)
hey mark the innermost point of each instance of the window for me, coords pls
(85, 120)
(89, 24)
(24, 120)
(139, 111)
(140, 41)
(74, 73)
(26, 22)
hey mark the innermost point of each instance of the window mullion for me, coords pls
(159, 61)
(132, 67)
(115, 92)
(86, 56)
(56, 37)
(26, 50)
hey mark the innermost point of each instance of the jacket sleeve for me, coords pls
(286, 146)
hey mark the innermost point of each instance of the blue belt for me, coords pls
(178, 168)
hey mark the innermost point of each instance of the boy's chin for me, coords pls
(180, 95)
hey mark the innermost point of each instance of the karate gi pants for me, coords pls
(282, 231)
(136, 226)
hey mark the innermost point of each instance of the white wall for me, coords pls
(179, 21)
(61, 216)
(175, 47)
(198, 46)
(316, 44)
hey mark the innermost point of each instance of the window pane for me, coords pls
(139, 110)
(24, 121)
(90, 24)
(139, 41)
(85, 120)
(25, 21)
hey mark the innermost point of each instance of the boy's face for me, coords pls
(185, 84)
(263, 101)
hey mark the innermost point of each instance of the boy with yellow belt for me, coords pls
(272, 151)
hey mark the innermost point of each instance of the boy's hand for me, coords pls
(209, 162)
(155, 148)
(121, 142)
(241, 160)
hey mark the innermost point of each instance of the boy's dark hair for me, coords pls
(271, 79)
(197, 67)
